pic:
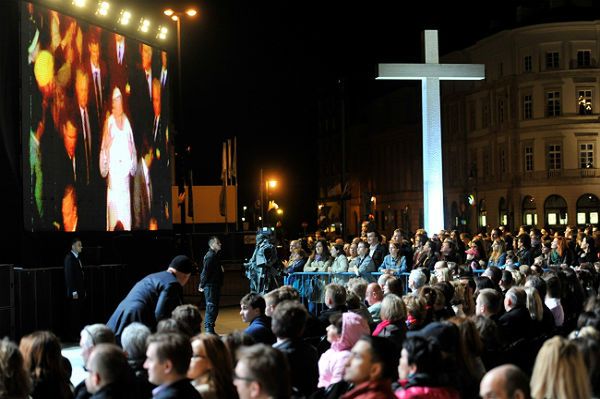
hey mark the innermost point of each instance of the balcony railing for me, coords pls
(560, 174)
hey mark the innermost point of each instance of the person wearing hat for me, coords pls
(153, 298)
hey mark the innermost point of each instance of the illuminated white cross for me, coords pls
(430, 75)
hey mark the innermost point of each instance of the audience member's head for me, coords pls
(167, 358)
(278, 295)
(392, 308)
(538, 283)
(93, 335)
(515, 298)
(171, 325)
(488, 302)
(358, 286)
(335, 295)
(107, 365)
(133, 340)
(211, 364)
(372, 359)
(189, 318)
(262, 372)
(252, 305)
(420, 355)
(505, 382)
(374, 294)
(415, 309)
(289, 320)
(394, 286)
(234, 341)
(559, 371)
(14, 379)
(416, 280)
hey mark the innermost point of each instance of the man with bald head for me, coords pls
(505, 382)
(374, 296)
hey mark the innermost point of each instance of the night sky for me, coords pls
(255, 70)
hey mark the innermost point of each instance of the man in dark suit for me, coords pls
(118, 56)
(91, 200)
(96, 69)
(142, 190)
(167, 360)
(141, 96)
(516, 323)
(377, 250)
(211, 281)
(160, 172)
(153, 298)
(74, 282)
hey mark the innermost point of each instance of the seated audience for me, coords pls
(421, 371)
(109, 375)
(262, 372)
(335, 300)
(506, 381)
(133, 341)
(14, 379)
(374, 297)
(371, 368)
(44, 362)
(189, 317)
(393, 320)
(516, 322)
(236, 340)
(559, 371)
(210, 368)
(167, 361)
(289, 320)
(343, 332)
(253, 312)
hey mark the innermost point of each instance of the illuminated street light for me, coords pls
(168, 12)
(191, 12)
(280, 211)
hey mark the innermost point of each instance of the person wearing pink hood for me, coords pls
(343, 332)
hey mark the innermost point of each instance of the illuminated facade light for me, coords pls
(103, 7)
(79, 3)
(162, 33)
(125, 17)
(144, 25)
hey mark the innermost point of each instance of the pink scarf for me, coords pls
(380, 327)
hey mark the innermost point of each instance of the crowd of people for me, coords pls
(487, 316)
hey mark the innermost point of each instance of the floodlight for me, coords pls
(79, 3)
(144, 25)
(103, 7)
(125, 17)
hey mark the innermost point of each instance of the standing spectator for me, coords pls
(74, 281)
(14, 381)
(371, 367)
(262, 372)
(167, 361)
(44, 362)
(343, 332)
(363, 265)
(394, 262)
(211, 281)
(210, 368)
(153, 298)
(252, 310)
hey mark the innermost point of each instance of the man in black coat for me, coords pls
(211, 281)
(167, 360)
(74, 283)
(109, 375)
(516, 323)
(153, 298)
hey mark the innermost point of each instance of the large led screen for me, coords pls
(94, 127)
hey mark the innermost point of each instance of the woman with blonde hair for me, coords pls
(210, 368)
(393, 320)
(498, 255)
(14, 381)
(559, 371)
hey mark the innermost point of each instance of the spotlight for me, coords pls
(79, 3)
(103, 7)
(125, 17)
(168, 12)
(191, 12)
(144, 25)
(162, 33)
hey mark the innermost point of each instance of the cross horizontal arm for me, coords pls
(424, 71)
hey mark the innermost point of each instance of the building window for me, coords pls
(527, 63)
(527, 106)
(586, 155)
(554, 157)
(552, 103)
(529, 158)
(584, 58)
(485, 114)
(584, 102)
(552, 60)
(500, 111)
(502, 160)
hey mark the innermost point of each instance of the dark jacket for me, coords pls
(152, 299)
(303, 360)
(181, 389)
(114, 391)
(515, 324)
(260, 330)
(74, 276)
(378, 255)
(212, 273)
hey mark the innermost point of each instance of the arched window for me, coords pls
(529, 211)
(555, 211)
(588, 209)
(502, 212)
(482, 213)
